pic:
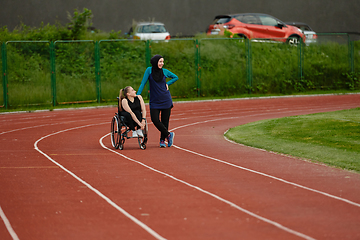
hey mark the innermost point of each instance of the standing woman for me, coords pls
(160, 97)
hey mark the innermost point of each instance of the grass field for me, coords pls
(332, 138)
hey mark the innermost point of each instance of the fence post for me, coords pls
(147, 53)
(352, 61)
(249, 64)
(53, 72)
(197, 66)
(300, 60)
(97, 71)
(4, 71)
(351, 54)
(147, 61)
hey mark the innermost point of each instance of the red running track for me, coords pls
(60, 178)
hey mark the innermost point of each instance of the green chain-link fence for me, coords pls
(122, 63)
(275, 66)
(27, 73)
(356, 55)
(330, 48)
(51, 73)
(183, 50)
(215, 56)
(75, 71)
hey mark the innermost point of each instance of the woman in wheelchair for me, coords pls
(132, 107)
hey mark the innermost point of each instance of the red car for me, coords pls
(255, 25)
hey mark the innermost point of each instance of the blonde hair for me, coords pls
(122, 95)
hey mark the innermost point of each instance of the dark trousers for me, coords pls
(129, 121)
(163, 124)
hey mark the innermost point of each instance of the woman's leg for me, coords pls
(129, 121)
(165, 117)
(154, 114)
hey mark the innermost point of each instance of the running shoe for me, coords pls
(162, 144)
(140, 133)
(170, 139)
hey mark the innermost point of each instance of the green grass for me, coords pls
(332, 138)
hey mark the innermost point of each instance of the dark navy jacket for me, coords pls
(160, 98)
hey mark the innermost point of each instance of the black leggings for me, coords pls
(162, 125)
(129, 121)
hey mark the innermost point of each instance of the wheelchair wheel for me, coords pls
(123, 136)
(115, 133)
(142, 142)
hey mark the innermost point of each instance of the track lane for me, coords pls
(315, 110)
(152, 187)
(252, 214)
(71, 149)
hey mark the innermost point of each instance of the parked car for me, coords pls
(149, 31)
(255, 25)
(311, 36)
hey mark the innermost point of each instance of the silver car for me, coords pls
(149, 31)
(310, 35)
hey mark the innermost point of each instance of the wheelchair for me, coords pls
(120, 130)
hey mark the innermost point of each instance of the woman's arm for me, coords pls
(143, 108)
(143, 112)
(171, 75)
(144, 80)
(126, 107)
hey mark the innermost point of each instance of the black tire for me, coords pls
(142, 141)
(293, 40)
(145, 138)
(241, 36)
(121, 145)
(123, 136)
(115, 133)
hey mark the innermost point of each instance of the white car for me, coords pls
(310, 35)
(149, 31)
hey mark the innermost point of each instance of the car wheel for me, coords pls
(293, 40)
(242, 36)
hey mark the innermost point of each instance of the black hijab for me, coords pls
(156, 72)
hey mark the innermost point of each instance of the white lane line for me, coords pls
(135, 220)
(14, 130)
(253, 171)
(278, 225)
(44, 125)
(8, 225)
(270, 176)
